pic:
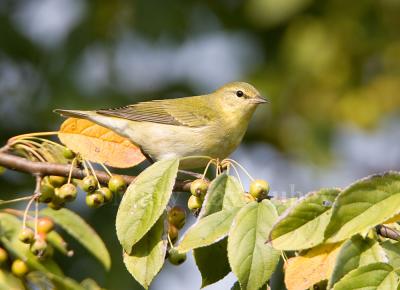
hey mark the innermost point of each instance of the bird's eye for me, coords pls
(239, 94)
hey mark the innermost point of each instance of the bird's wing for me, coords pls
(190, 112)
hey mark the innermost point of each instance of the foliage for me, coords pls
(335, 233)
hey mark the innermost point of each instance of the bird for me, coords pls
(210, 125)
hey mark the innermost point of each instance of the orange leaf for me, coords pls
(315, 265)
(99, 144)
(393, 219)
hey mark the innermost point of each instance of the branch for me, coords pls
(45, 168)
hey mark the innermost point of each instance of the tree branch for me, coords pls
(45, 168)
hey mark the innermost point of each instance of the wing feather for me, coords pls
(190, 112)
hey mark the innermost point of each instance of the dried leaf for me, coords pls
(99, 144)
(315, 265)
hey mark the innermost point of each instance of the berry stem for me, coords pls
(70, 171)
(242, 168)
(93, 172)
(106, 169)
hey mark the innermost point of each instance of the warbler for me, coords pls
(209, 125)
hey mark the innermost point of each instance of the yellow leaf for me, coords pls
(393, 219)
(315, 265)
(99, 144)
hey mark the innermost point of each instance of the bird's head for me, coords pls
(239, 97)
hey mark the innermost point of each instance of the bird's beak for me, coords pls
(259, 100)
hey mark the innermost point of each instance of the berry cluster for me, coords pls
(56, 191)
(18, 267)
(38, 244)
(176, 221)
(198, 189)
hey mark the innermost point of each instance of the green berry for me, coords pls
(3, 256)
(173, 233)
(176, 258)
(94, 200)
(46, 192)
(177, 217)
(194, 203)
(199, 188)
(68, 153)
(45, 225)
(2, 170)
(117, 184)
(259, 189)
(39, 247)
(26, 236)
(57, 181)
(19, 268)
(57, 203)
(89, 183)
(107, 194)
(67, 192)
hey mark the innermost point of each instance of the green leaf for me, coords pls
(302, 225)
(9, 229)
(225, 192)
(282, 205)
(392, 250)
(251, 259)
(147, 255)
(377, 276)
(207, 230)
(234, 194)
(212, 262)
(363, 205)
(90, 284)
(355, 253)
(9, 281)
(236, 286)
(144, 201)
(214, 198)
(77, 227)
(58, 243)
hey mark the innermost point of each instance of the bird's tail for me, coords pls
(75, 113)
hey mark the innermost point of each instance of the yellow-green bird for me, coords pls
(208, 125)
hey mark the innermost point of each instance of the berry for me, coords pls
(19, 268)
(67, 192)
(68, 153)
(95, 200)
(26, 236)
(117, 184)
(177, 217)
(107, 194)
(259, 189)
(46, 192)
(3, 256)
(194, 203)
(176, 258)
(39, 247)
(56, 203)
(2, 170)
(45, 225)
(57, 181)
(173, 233)
(199, 188)
(89, 183)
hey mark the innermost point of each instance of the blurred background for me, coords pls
(330, 68)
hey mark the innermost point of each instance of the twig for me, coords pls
(45, 168)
